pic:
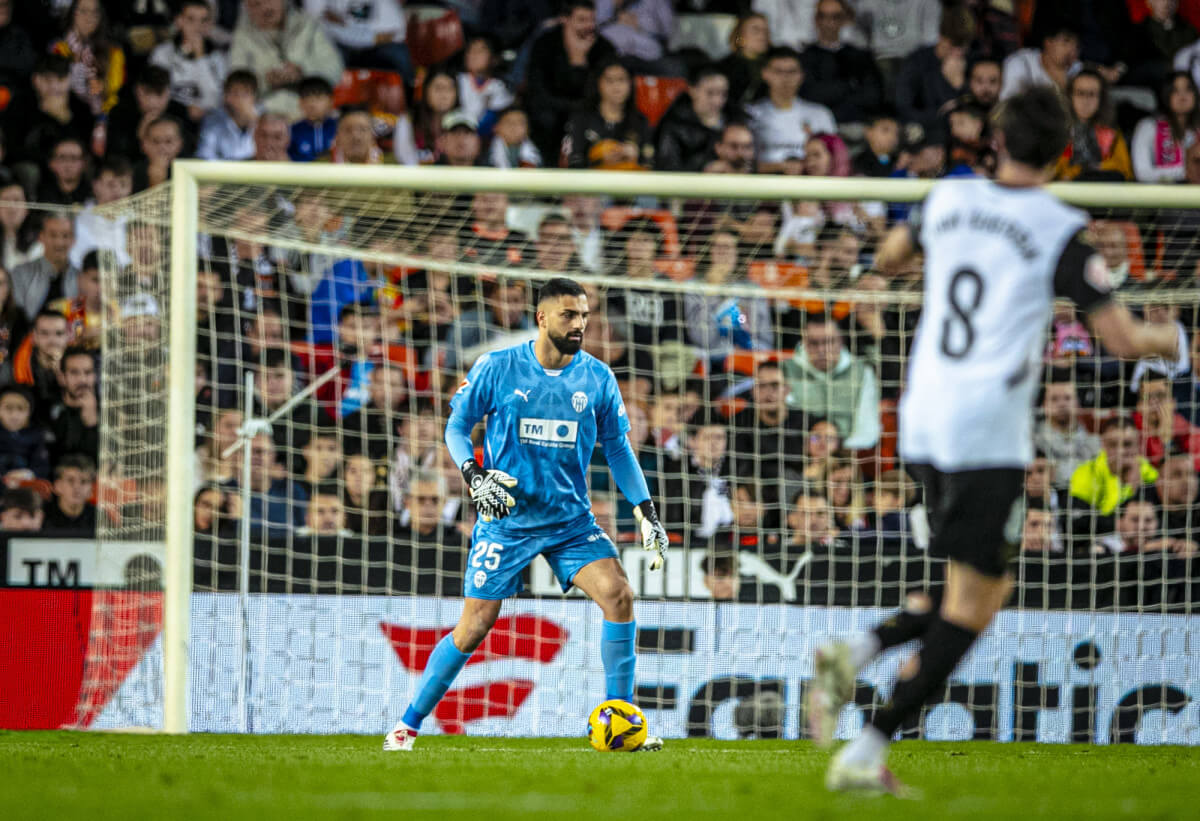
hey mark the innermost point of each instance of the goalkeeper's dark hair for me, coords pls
(559, 286)
(1035, 126)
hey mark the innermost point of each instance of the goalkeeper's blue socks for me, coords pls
(617, 641)
(445, 662)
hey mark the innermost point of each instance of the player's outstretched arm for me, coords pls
(1131, 338)
(627, 473)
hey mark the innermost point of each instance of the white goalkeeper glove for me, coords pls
(654, 535)
(489, 491)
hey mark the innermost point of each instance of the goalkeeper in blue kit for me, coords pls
(547, 403)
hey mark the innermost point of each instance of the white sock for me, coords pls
(863, 648)
(868, 750)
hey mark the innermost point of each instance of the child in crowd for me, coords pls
(511, 146)
(23, 453)
(313, 135)
(481, 94)
(878, 157)
(227, 133)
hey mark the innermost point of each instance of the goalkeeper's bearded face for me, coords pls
(563, 319)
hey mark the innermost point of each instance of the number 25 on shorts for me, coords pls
(486, 555)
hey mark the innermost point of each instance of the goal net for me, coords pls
(324, 531)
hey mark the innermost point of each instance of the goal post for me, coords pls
(191, 214)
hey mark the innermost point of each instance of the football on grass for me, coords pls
(616, 726)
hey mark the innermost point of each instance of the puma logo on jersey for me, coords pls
(523, 394)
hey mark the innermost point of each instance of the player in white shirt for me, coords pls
(783, 123)
(997, 254)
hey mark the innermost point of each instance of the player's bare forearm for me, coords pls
(896, 251)
(1129, 338)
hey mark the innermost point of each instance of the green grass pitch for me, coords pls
(99, 776)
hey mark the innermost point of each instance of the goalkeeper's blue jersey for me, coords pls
(542, 428)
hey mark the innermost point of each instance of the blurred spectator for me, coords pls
(1097, 150)
(838, 75)
(1048, 65)
(18, 229)
(459, 143)
(821, 448)
(369, 35)
(13, 326)
(893, 29)
(887, 517)
(645, 316)
(22, 511)
(1164, 430)
(313, 134)
(53, 274)
(1159, 141)
(810, 526)
(67, 182)
(366, 504)
(1060, 434)
(691, 127)
(844, 488)
(782, 123)
(693, 487)
(878, 155)
(553, 248)
(375, 427)
(984, 81)
(35, 123)
(23, 453)
(17, 54)
(227, 133)
(113, 181)
(1041, 478)
(439, 97)
(609, 133)
(274, 41)
(426, 306)
(355, 141)
(271, 138)
(318, 460)
(721, 578)
(274, 386)
(131, 117)
(1152, 45)
(427, 555)
(212, 465)
(196, 65)
(162, 144)
(1177, 493)
(511, 146)
(561, 64)
(1069, 344)
(421, 446)
(503, 317)
(215, 513)
(826, 380)
(1038, 533)
(277, 504)
(749, 42)
(75, 417)
(481, 94)
(587, 233)
(934, 75)
(735, 154)
(513, 23)
(718, 324)
(325, 515)
(639, 30)
(70, 512)
(488, 240)
(97, 63)
(1167, 368)
(1136, 530)
(1117, 473)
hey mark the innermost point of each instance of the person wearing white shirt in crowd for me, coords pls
(783, 123)
(19, 242)
(894, 29)
(1161, 141)
(1050, 65)
(113, 181)
(511, 146)
(638, 29)
(480, 93)
(227, 133)
(369, 35)
(791, 21)
(197, 66)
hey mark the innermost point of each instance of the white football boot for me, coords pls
(400, 739)
(832, 686)
(652, 744)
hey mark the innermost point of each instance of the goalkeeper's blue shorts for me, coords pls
(498, 558)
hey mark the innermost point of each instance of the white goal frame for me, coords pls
(189, 175)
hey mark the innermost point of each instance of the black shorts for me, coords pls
(974, 515)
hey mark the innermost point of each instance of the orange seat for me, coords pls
(434, 35)
(613, 218)
(357, 86)
(746, 362)
(771, 274)
(654, 95)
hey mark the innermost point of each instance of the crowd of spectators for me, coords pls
(765, 426)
